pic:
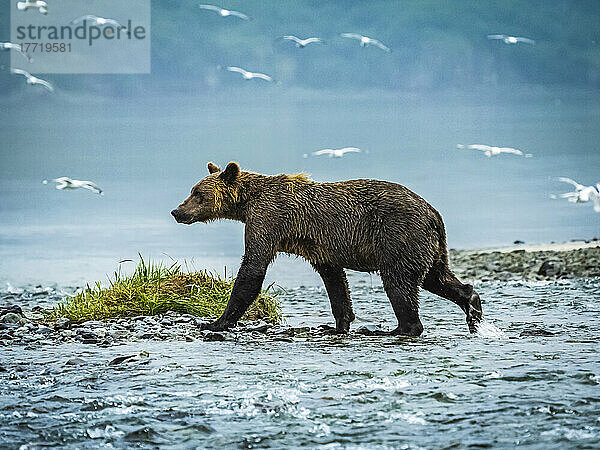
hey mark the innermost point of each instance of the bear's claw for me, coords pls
(474, 313)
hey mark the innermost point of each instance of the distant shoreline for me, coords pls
(533, 262)
(552, 247)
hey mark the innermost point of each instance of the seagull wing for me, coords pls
(481, 147)
(262, 76)
(351, 36)
(313, 40)
(325, 151)
(350, 150)
(237, 69)
(91, 186)
(44, 83)
(573, 182)
(514, 151)
(239, 14)
(21, 72)
(496, 36)
(82, 18)
(525, 40)
(211, 8)
(291, 38)
(380, 45)
(569, 195)
(63, 183)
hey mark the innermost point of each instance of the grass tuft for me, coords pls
(155, 289)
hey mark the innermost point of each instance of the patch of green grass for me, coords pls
(156, 289)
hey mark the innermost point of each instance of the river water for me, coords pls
(530, 377)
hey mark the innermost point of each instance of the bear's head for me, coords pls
(214, 197)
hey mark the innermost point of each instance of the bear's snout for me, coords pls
(179, 216)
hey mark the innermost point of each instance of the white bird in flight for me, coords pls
(69, 183)
(301, 43)
(511, 39)
(582, 194)
(33, 80)
(490, 151)
(225, 12)
(41, 6)
(249, 75)
(365, 41)
(16, 47)
(336, 152)
(95, 20)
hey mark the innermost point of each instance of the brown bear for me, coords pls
(363, 225)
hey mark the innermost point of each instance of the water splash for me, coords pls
(488, 330)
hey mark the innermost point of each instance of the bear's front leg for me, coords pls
(246, 288)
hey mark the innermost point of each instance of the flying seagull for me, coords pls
(95, 20)
(301, 43)
(365, 41)
(249, 75)
(16, 47)
(41, 6)
(336, 152)
(582, 194)
(68, 183)
(494, 151)
(511, 39)
(225, 12)
(33, 80)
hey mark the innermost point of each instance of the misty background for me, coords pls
(146, 139)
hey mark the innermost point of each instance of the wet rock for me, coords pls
(370, 330)
(14, 309)
(551, 268)
(145, 335)
(536, 332)
(120, 359)
(119, 334)
(62, 323)
(259, 328)
(188, 338)
(43, 330)
(213, 336)
(11, 317)
(86, 334)
(100, 332)
(75, 362)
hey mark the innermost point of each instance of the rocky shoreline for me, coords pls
(19, 327)
(27, 328)
(520, 264)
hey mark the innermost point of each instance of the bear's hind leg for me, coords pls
(441, 281)
(336, 285)
(404, 297)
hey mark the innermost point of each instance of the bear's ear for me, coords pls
(231, 172)
(212, 168)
